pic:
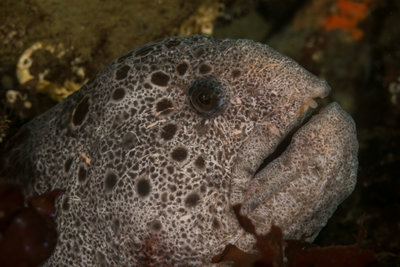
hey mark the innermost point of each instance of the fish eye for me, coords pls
(205, 96)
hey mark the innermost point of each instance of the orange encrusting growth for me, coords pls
(349, 14)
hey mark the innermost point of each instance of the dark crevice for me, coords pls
(279, 17)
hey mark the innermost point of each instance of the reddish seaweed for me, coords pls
(27, 232)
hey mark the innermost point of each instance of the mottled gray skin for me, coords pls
(151, 180)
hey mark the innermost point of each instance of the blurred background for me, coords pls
(49, 49)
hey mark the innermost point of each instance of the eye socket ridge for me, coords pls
(206, 95)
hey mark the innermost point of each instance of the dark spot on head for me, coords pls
(122, 72)
(125, 115)
(182, 68)
(172, 187)
(143, 187)
(82, 174)
(168, 131)
(68, 164)
(160, 78)
(155, 225)
(179, 154)
(164, 106)
(170, 169)
(215, 223)
(235, 74)
(80, 111)
(172, 43)
(199, 162)
(110, 181)
(118, 94)
(204, 68)
(192, 200)
(129, 141)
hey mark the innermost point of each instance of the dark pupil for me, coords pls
(205, 98)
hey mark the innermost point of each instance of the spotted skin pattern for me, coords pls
(151, 179)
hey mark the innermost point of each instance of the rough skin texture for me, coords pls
(151, 178)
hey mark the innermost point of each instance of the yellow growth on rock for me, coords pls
(55, 90)
(202, 21)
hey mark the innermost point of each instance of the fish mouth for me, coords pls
(297, 181)
(281, 147)
(307, 111)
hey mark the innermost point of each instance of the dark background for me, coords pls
(353, 44)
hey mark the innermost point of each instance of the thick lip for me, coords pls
(299, 188)
(309, 109)
(248, 168)
(307, 112)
